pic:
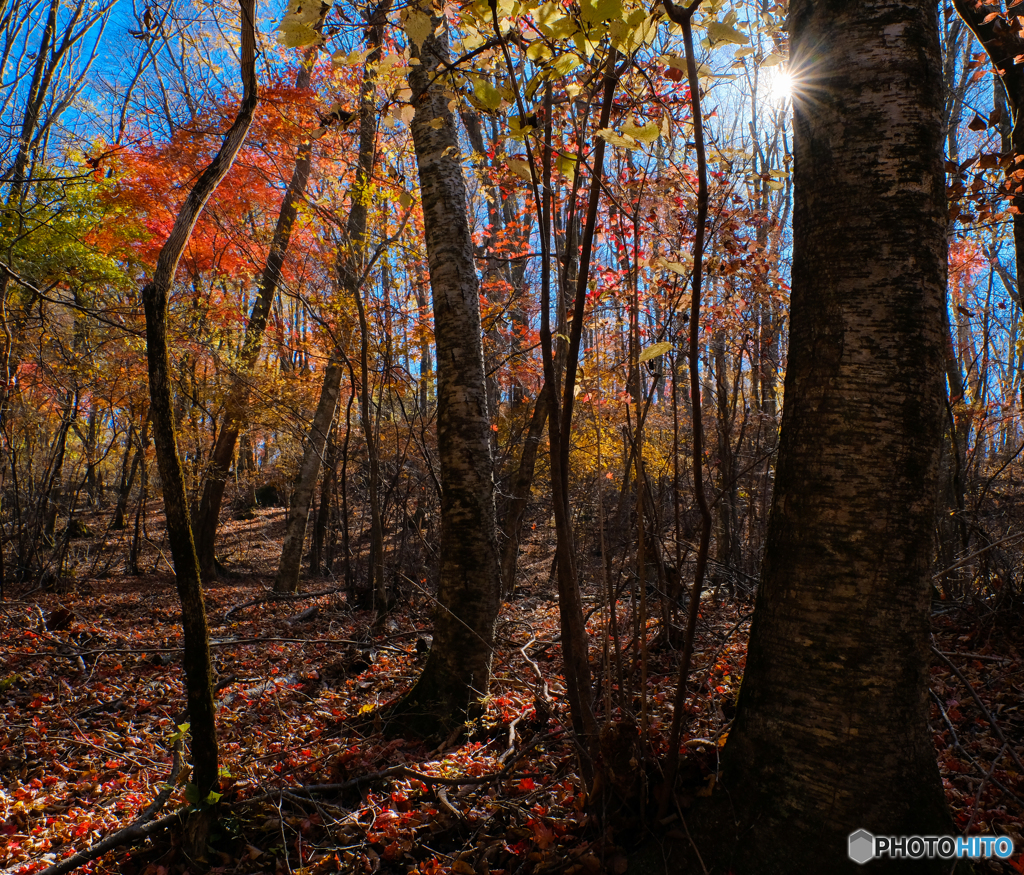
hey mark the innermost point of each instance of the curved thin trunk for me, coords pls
(196, 653)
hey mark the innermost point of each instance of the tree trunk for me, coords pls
(831, 734)
(349, 269)
(290, 564)
(236, 404)
(516, 512)
(196, 651)
(458, 668)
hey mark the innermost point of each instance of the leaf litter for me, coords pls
(91, 701)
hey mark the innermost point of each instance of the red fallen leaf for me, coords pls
(543, 835)
(527, 784)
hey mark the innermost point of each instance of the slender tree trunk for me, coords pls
(831, 734)
(349, 269)
(323, 514)
(521, 484)
(457, 672)
(237, 402)
(129, 468)
(290, 564)
(380, 591)
(196, 651)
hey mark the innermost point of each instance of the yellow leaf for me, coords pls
(436, 124)
(567, 166)
(772, 60)
(645, 134)
(596, 11)
(299, 25)
(538, 51)
(616, 139)
(485, 95)
(655, 350)
(552, 20)
(719, 32)
(520, 168)
(677, 267)
(707, 791)
(565, 63)
(417, 25)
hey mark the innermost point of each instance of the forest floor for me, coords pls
(91, 695)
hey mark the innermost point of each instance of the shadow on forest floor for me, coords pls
(90, 684)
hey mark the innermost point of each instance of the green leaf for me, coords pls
(191, 794)
(654, 350)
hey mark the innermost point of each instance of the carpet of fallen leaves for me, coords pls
(91, 695)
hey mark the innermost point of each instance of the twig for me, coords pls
(981, 705)
(130, 834)
(956, 743)
(545, 693)
(981, 789)
(961, 562)
(142, 827)
(281, 597)
(693, 844)
(402, 772)
(442, 797)
(980, 656)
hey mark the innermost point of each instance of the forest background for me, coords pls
(303, 373)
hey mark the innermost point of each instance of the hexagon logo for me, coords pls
(862, 846)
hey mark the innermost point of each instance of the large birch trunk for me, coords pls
(457, 671)
(831, 734)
